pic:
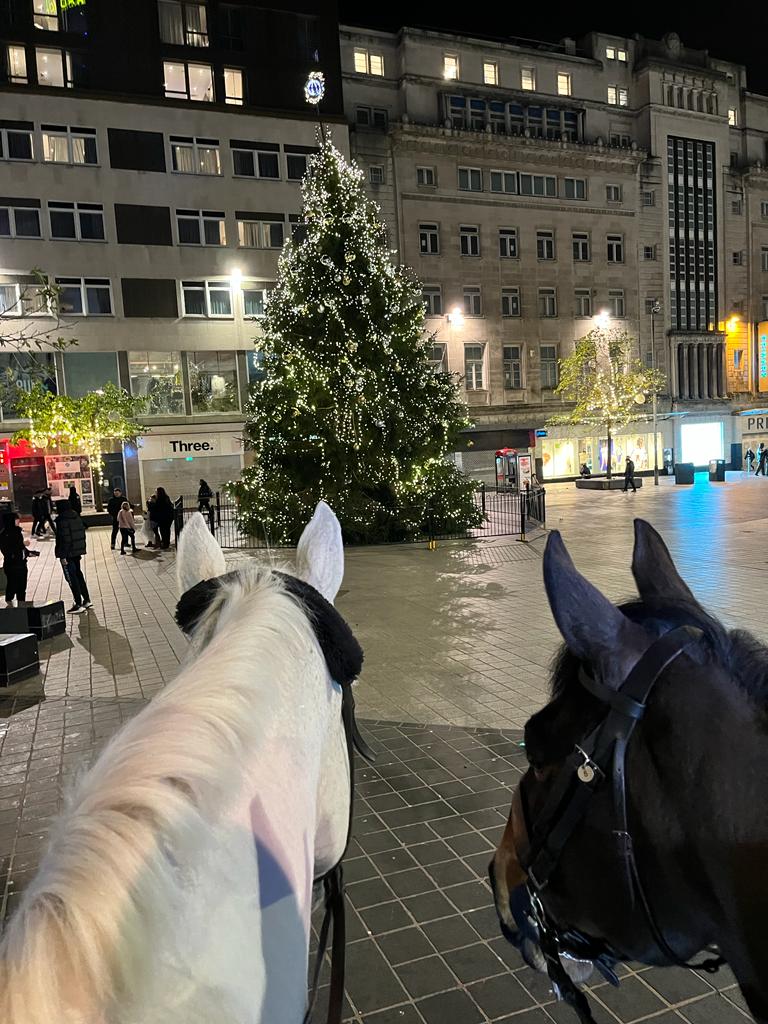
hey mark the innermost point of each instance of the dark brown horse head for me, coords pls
(684, 804)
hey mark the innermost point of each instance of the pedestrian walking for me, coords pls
(164, 515)
(46, 511)
(13, 546)
(151, 531)
(114, 505)
(762, 458)
(70, 548)
(74, 499)
(629, 476)
(36, 529)
(204, 495)
(127, 526)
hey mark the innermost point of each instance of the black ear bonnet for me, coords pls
(343, 654)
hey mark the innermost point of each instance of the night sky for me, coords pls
(738, 31)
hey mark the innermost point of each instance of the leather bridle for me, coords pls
(600, 757)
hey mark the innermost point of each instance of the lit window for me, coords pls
(188, 81)
(528, 79)
(617, 96)
(157, 376)
(89, 296)
(450, 65)
(54, 68)
(63, 145)
(733, 117)
(563, 84)
(474, 360)
(260, 234)
(213, 375)
(361, 62)
(183, 24)
(201, 227)
(17, 65)
(45, 14)
(81, 221)
(367, 63)
(376, 64)
(490, 72)
(610, 53)
(195, 156)
(206, 298)
(622, 56)
(233, 86)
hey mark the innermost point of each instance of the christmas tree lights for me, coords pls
(349, 409)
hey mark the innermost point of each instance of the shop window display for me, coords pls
(565, 457)
(213, 381)
(157, 377)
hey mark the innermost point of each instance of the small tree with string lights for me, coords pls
(349, 409)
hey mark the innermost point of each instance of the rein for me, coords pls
(600, 756)
(344, 658)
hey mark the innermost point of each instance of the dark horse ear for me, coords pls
(593, 628)
(655, 574)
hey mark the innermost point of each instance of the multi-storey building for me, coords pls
(535, 186)
(150, 161)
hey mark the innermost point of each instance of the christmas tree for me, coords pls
(349, 409)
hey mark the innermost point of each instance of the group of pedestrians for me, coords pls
(759, 459)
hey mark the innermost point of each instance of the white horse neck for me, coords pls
(177, 886)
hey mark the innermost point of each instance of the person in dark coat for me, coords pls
(14, 550)
(762, 459)
(74, 500)
(36, 529)
(164, 515)
(204, 495)
(46, 511)
(629, 475)
(749, 458)
(114, 505)
(70, 548)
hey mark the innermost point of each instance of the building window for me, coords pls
(469, 240)
(583, 303)
(85, 372)
(54, 68)
(490, 72)
(437, 358)
(296, 166)
(426, 176)
(255, 295)
(233, 87)
(260, 234)
(563, 84)
(206, 298)
(16, 144)
(545, 245)
(231, 27)
(763, 258)
(613, 193)
(738, 358)
(618, 96)
(547, 302)
(45, 15)
(610, 53)
(764, 306)
(504, 181)
(473, 302)
(62, 145)
(367, 63)
(736, 207)
(429, 239)
(528, 79)
(81, 221)
(450, 65)
(17, 65)
(183, 24)
(372, 117)
(620, 139)
(764, 209)
(649, 252)
(201, 227)
(433, 299)
(186, 81)
(85, 296)
(737, 258)
(548, 359)
(195, 156)
(616, 303)
(615, 248)
(255, 162)
(376, 174)
(538, 185)
(470, 179)
(508, 243)
(510, 302)
(649, 198)
(157, 377)
(733, 117)
(575, 188)
(20, 221)
(213, 381)
(473, 367)
(621, 55)
(580, 242)
(513, 367)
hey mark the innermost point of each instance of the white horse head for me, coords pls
(176, 888)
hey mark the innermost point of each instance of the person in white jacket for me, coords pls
(127, 525)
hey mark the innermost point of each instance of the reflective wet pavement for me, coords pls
(457, 645)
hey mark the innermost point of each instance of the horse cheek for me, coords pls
(508, 871)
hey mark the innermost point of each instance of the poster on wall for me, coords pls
(525, 471)
(65, 471)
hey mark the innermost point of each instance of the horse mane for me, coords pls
(84, 933)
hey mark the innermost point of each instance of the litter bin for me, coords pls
(717, 470)
(683, 472)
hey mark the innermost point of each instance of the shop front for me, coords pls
(177, 458)
(564, 456)
(25, 470)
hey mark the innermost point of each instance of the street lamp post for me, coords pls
(655, 308)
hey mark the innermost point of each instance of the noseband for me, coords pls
(344, 659)
(601, 756)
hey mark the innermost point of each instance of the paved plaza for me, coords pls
(457, 643)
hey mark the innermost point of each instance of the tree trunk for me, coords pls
(609, 455)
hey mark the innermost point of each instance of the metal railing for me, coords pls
(505, 513)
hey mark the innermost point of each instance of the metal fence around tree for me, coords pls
(505, 514)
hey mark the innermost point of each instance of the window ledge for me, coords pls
(198, 174)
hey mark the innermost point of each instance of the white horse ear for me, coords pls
(199, 556)
(320, 553)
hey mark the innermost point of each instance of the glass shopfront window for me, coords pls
(558, 458)
(23, 370)
(88, 371)
(565, 457)
(157, 377)
(213, 380)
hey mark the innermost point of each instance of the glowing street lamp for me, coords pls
(456, 317)
(236, 279)
(603, 319)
